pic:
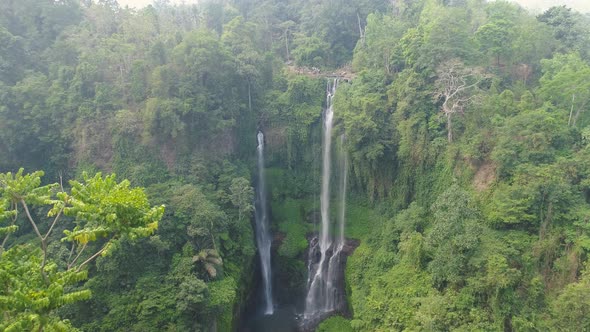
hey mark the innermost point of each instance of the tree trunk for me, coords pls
(361, 34)
(449, 128)
(249, 97)
(287, 43)
(571, 111)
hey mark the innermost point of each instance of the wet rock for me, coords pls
(340, 304)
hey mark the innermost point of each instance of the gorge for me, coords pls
(196, 167)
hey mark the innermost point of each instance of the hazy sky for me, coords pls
(581, 5)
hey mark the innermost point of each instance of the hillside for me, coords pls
(294, 165)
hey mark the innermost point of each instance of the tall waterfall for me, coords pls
(263, 238)
(324, 294)
(339, 242)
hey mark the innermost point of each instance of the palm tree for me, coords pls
(210, 259)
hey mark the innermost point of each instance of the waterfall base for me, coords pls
(338, 304)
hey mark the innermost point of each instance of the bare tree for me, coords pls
(454, 85)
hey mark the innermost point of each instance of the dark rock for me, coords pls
(341, 307)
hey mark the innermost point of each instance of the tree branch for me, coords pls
(94, 256)
(77, 256)
(53, 224)
(43, 243)
(28, 213)
(71, 253)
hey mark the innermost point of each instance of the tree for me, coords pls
(455, 85)
(495, 38)
(443, 35)
(242, 195)
(101, 211)
(381, 48)
(571, 309)
(310, 50)
(287, 28)
(239, 36)
(12, 58)
(27, 299)
(567, 28)
(565, 83)
(210, 259)
(454, 236)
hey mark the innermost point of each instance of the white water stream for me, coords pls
(263, 238)
(322, 296)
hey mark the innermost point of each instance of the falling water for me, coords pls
(334, 263)
(343, 187)
(263, 238)
(323, 294)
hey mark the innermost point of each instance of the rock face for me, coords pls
(340, 305)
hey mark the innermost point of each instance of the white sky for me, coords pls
(536, 5)
(579, 5)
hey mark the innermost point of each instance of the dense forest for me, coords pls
(467, 128)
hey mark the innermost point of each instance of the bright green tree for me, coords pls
(94, 215)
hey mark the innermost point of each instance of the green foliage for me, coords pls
(568, 27)
(310, 51)
(242, 195)
(564, 83)
(454, 236)
(382, 49)
(335, 324)
(497, 35)
(361, 218)
(391, 300)
(27, 300)
(535, 137)
(104, 208)
(35, 286)
(570, 308)
(290, 217)
(170, 97)
(365, 120)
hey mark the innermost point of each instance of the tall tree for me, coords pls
(455, 86)
(241, 195)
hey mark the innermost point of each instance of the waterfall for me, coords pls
(343, 187)
(335, 264)
(263, 238)
(324, 294)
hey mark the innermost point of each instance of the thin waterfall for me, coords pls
(335, 264)
(335, 260)
(343, 186)
(323, 294)
(263, 238)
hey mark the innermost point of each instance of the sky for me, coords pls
(579, 5)
(535, 5)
